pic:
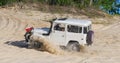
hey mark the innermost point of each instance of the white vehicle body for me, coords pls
(74, 30)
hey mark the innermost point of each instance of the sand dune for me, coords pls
(106, 48)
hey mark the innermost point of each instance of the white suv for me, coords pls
(65, 32)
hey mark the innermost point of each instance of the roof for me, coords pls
(74, 21)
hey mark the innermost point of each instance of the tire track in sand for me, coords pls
(8, 24)
(4, 23)
(11, 24)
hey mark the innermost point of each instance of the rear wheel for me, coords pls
(73, 46)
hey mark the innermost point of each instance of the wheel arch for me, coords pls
(73, 41)
(71, 44)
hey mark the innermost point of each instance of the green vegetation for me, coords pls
(88, 7)
(76, 3)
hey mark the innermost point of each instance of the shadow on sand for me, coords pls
(21, 43)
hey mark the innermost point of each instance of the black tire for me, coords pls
(90, 37)
(27, 36)
(73, 46)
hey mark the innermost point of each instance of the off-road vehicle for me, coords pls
(65, 32)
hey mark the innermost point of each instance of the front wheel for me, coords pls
(27, 36)
(74, 46)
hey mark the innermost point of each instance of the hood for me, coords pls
(41, 30)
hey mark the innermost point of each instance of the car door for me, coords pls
(74, 33)
(58, 34)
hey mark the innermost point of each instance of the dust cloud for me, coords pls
(48, 46)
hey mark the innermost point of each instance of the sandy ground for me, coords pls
(106, 47)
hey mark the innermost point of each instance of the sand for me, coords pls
(105, 49)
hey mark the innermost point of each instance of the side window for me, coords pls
(85, 30)
(89, 27)
(80, 29)
(74, 29)
(59, 27)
